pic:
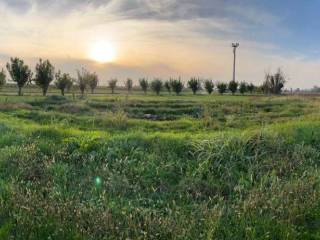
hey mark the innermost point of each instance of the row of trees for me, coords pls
(45, 74)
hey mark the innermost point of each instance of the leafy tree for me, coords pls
(113, 84)
(63, 82)
(194, 84)
(156, 86)
(233, 86)
(250, 88)
(243, 87)
(274, 83)
(83, 80)
(176, 85)
(209, 86)
(93, 81)
(144, 84)
(44, 75)
(19, 72)
(2, 78)
(129, 84)
(167, 86)
(222, 88)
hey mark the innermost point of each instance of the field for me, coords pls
(159, 167)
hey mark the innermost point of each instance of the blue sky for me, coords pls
(166, 38)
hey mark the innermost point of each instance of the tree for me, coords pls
(222, 88)
(274, 83)
(156, 86)
(144, 84)
(129, 85)
(44, 75)
(176, 85)
(83, 80)
(19, 72)
(250, 88)
(167, 86)
(194, 84)
(113, 84)
(63, 82)
(233, 86)
(243, 87)
(209, 86)
(93, 81)
(2, 78)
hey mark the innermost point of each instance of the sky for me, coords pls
(167, 38)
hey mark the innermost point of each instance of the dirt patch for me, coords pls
(14, 106)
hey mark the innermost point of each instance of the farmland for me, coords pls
(119, 166)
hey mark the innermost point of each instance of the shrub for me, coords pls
(129, 84)
(243, 87)
(233, 87)
(2, 78)
(19, 72)
(113, 84)
(209, 86)
(63, 82)
(176, 85)
(222, 88)
(194, 84)
(144, 84)
(44, 75)
(156, 86)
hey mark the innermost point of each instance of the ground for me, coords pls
(159, 167)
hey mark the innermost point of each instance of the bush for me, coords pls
(156, 86)
(176, 85)
(194, 84)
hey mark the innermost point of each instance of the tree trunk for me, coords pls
(62, 92)
(20, 91)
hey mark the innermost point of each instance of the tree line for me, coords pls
(45, 75)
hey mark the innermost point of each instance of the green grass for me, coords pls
(167, 167)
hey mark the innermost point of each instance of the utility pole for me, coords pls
(234, 46)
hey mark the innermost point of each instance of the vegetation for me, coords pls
(113, 84)
(274, 83)
(167, 86)
(157, 85)
(19, 72)
(144, 84)
(209, 86)
(233, 87)
(63, 82)
(243, 87)
(44, 75)
(194, 84)
(129, 85)
(251, 88)
(93, 81)
(2, 78)
(176, 85)
(222, 87)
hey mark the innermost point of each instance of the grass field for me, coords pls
(167, 167)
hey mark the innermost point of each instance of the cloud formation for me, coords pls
(154, 38)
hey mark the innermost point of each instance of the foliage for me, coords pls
(129, 84)
(144, 84)
(157, 85)
(176, 85)
(19, 72)
(243, 87)
(93, 81)
(250, 88)
(83, 79)
(113, 84)
(274, 84)
(233, 87)
(209, 86)
(63, 82)
(44, 75)
(222, 87)
(167, 86)
(2, 78)
(194, 84)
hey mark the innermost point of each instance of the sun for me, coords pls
(102, 52)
